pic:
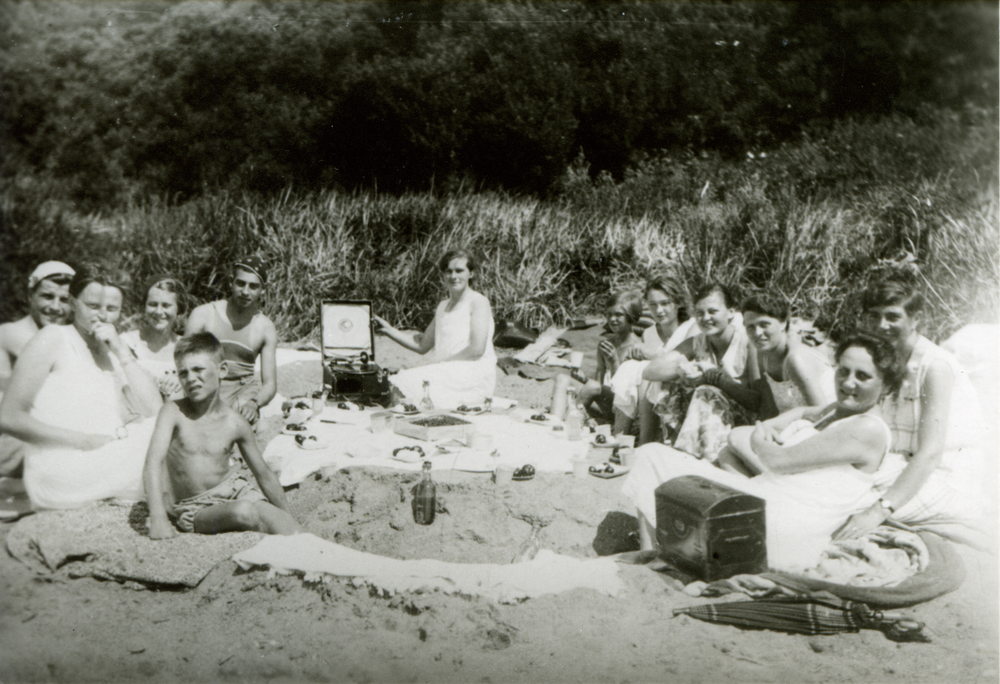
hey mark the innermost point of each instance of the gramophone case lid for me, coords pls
(346, 329)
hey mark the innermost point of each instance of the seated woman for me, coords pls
(792, 373)
(666, 300)
(461, 336)
(72, 392)
(153, 342)
(695, 416)
(935, 474)
(616, 346)
(813, 466)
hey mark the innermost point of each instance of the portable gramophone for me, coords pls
(348, 340)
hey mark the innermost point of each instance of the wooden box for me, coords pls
(709, 530)
(434, 427)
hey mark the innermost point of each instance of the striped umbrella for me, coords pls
(816, 613)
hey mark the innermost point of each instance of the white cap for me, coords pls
(47, 270)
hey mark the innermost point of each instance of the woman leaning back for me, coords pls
(933, 478)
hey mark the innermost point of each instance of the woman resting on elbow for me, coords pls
(73, 392)
(461, 337)
(695, 416)
(813, 467)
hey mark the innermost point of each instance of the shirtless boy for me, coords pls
(245, 333)
(190, 446)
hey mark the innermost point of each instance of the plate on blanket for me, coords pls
(402, 410)
(470, 410)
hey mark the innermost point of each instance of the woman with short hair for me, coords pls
(461, 337)
(934, 477)
(154, 340)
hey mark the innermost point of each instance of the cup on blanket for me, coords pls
(626, 441)
(581, 467)
(503, 474)
(382, 422)
(575, 359)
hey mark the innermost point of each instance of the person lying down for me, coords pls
(187, 475)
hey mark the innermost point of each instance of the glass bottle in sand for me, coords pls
(574, 418)
(424, 497)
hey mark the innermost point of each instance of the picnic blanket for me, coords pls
(889, 568)
(350, 442)
(107, 540)
(547, 573)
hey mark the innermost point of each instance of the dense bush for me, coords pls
(812, 222)
(117, 101)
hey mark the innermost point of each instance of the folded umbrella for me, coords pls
(816, 613)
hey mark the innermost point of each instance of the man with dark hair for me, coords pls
(245, 333)
(48, 303)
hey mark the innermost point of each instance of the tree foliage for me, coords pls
(119, 100)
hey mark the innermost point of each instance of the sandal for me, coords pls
(523, 473)
(606, 471)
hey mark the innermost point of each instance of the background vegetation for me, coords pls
(579, 146)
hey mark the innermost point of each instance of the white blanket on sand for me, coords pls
(547, 573)
(350, 442)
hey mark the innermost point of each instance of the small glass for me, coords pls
(382, 422)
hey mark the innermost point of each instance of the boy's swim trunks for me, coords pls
(238, 486)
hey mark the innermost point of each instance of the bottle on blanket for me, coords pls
(424, 498)
(426, 404)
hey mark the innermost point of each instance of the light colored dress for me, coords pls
(953, 494)
(627, 383)
(156, 367)
(453, 383)
(699, 421)
(802, 510)
(78, 395)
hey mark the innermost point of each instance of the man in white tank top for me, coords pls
(245, 333)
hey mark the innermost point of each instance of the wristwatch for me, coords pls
(887, 505)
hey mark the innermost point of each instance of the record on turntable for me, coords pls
(346, 328)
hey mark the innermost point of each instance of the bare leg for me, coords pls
(245, 516)
(622, 424)
(648, 424)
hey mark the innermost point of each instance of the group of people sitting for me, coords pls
(837, 441)
(79, 398)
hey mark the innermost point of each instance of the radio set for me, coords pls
(347, 336)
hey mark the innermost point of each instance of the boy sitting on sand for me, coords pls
(191, 444)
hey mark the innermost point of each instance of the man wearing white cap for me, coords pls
(48, 303)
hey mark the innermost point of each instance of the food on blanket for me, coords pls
(296, 427)
(540, 417)
(600, 439)
(301, 439)
(343, 406)
(469, 409)
(439, 421)
(416, 448)
(525, 472)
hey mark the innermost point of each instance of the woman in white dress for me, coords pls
(154, 340)
(73, 398)
(934, 478)
(814, 467)
(666, 300)
(461, 337)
